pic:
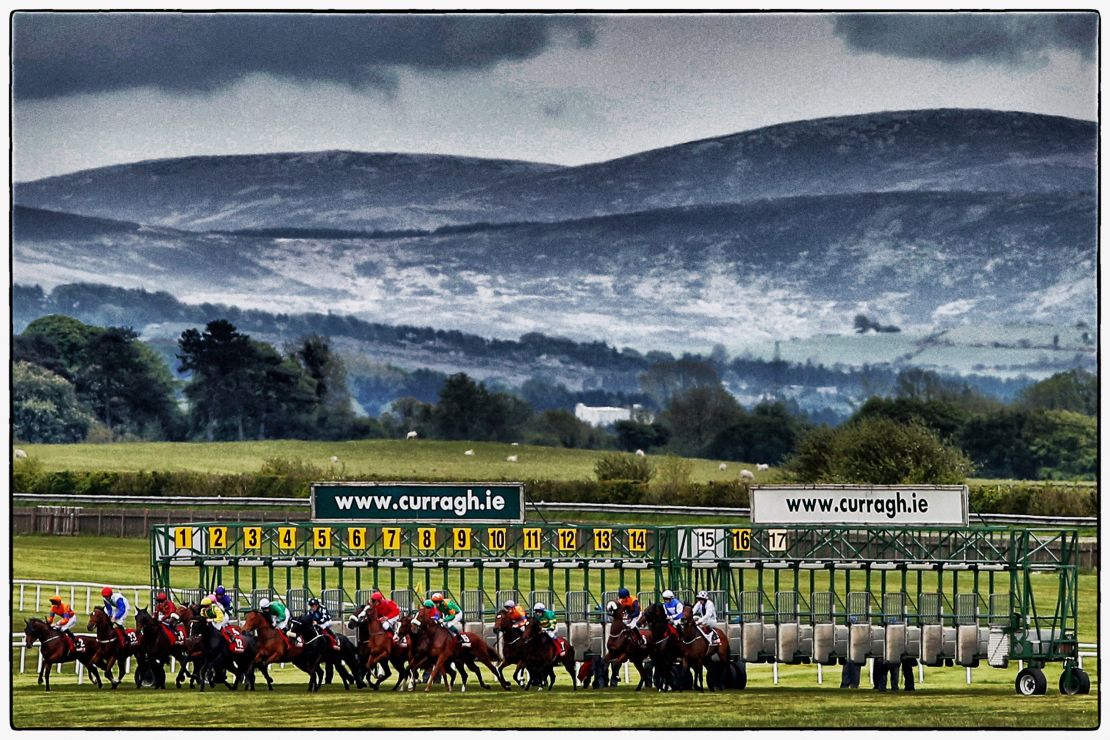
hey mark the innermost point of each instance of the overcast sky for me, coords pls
(98, 89)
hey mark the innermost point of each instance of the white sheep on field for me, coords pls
(722, 466)
(510, 458)
(411, 435)
(334, 459)
(747, 474)
(469, 453)
(640, 453)
(20, 454)
(762, 466)
(516, 444)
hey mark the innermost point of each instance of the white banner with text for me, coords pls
(893, 505)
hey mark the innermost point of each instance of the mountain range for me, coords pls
(920, 219)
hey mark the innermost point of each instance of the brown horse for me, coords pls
(512, 645)
(272, 646)
(114, 644)
(698, 653)
(626, 643)
(55, 648)
(376, 647)
(442, 648)
(663, 646)
(158, 642)
(542, 655)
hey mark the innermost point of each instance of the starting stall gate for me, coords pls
(797, 594)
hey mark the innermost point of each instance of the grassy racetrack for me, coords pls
(382, 458)
(942, 701)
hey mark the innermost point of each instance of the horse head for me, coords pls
(97, 617)
(254, 620)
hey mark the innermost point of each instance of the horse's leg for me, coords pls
(46, 666)
(568, 663)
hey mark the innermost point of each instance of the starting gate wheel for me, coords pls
(1078, 683)
(1031, 682)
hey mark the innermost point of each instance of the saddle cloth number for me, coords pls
(239, 646)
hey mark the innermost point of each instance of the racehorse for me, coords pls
(158, 642)
(663, 645)
(697, 652)
(318, 651)
(512, 645)
(217, 656)
(541, 656)
(376, 647)
(114, 645)
(442, 647)
(626, 643)
(55, 648)
(273, 646)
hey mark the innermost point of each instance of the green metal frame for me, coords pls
(942, 563)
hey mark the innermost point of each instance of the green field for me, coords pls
(380, 458)
(942, 701)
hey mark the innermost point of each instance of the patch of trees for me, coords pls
(863, 324)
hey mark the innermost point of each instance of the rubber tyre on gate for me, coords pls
(1080, 682)
(1031, 682)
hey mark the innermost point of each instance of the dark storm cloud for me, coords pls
(1006, 38)
(56, 54)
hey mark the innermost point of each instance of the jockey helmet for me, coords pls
(160, 597)
(510, 604)
(106, 591)
(314, 601)
(703, 595)
(437, 596)
(623, 593)
(668, 594)
(55, 599)
(376, 596)
(220, 590)
(264, 604)
(206, 601)
(539, 607)
(429, 603)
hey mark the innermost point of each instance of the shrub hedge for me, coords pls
(1011, 497)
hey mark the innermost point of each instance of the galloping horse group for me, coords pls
(421, 643)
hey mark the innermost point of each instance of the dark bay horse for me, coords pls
(55, 648)
(442, 648)
(626, 644)
(318, 652)
(376, 647)
(512, 645)
(217, 656)
(114, 645)
(542, 655)
(663, 646)
(158, 642)
(698, 653)
(273, 646)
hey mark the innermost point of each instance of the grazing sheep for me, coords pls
(411, 435)
(722, 466)
(762, 466)
(747, 474)
(640, 453)
(469, 453)
(516, 444)
(334, 459)
(510, 458)
(20, 454)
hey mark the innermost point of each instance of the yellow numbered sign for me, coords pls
(217, 538)
(426, 538)
(321, 538)
(741, 539)
(356, 538)
(287, 538)
(460, 538)
(532, 538)
(497, 539)
(637, 540)
(183, 538)
(252, 538)
(603, 539)
(567, 539)
(391, 538)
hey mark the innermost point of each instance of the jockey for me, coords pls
(672, 606)
(58, 609)
(546, 618)
(631, 607)
(213, 612)
(223, 598)
(116, 606)
(165, 609)
(387, 612)
(705, 613)
(516, 614)
(321, 619)
(276, 611)
(450, 613)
